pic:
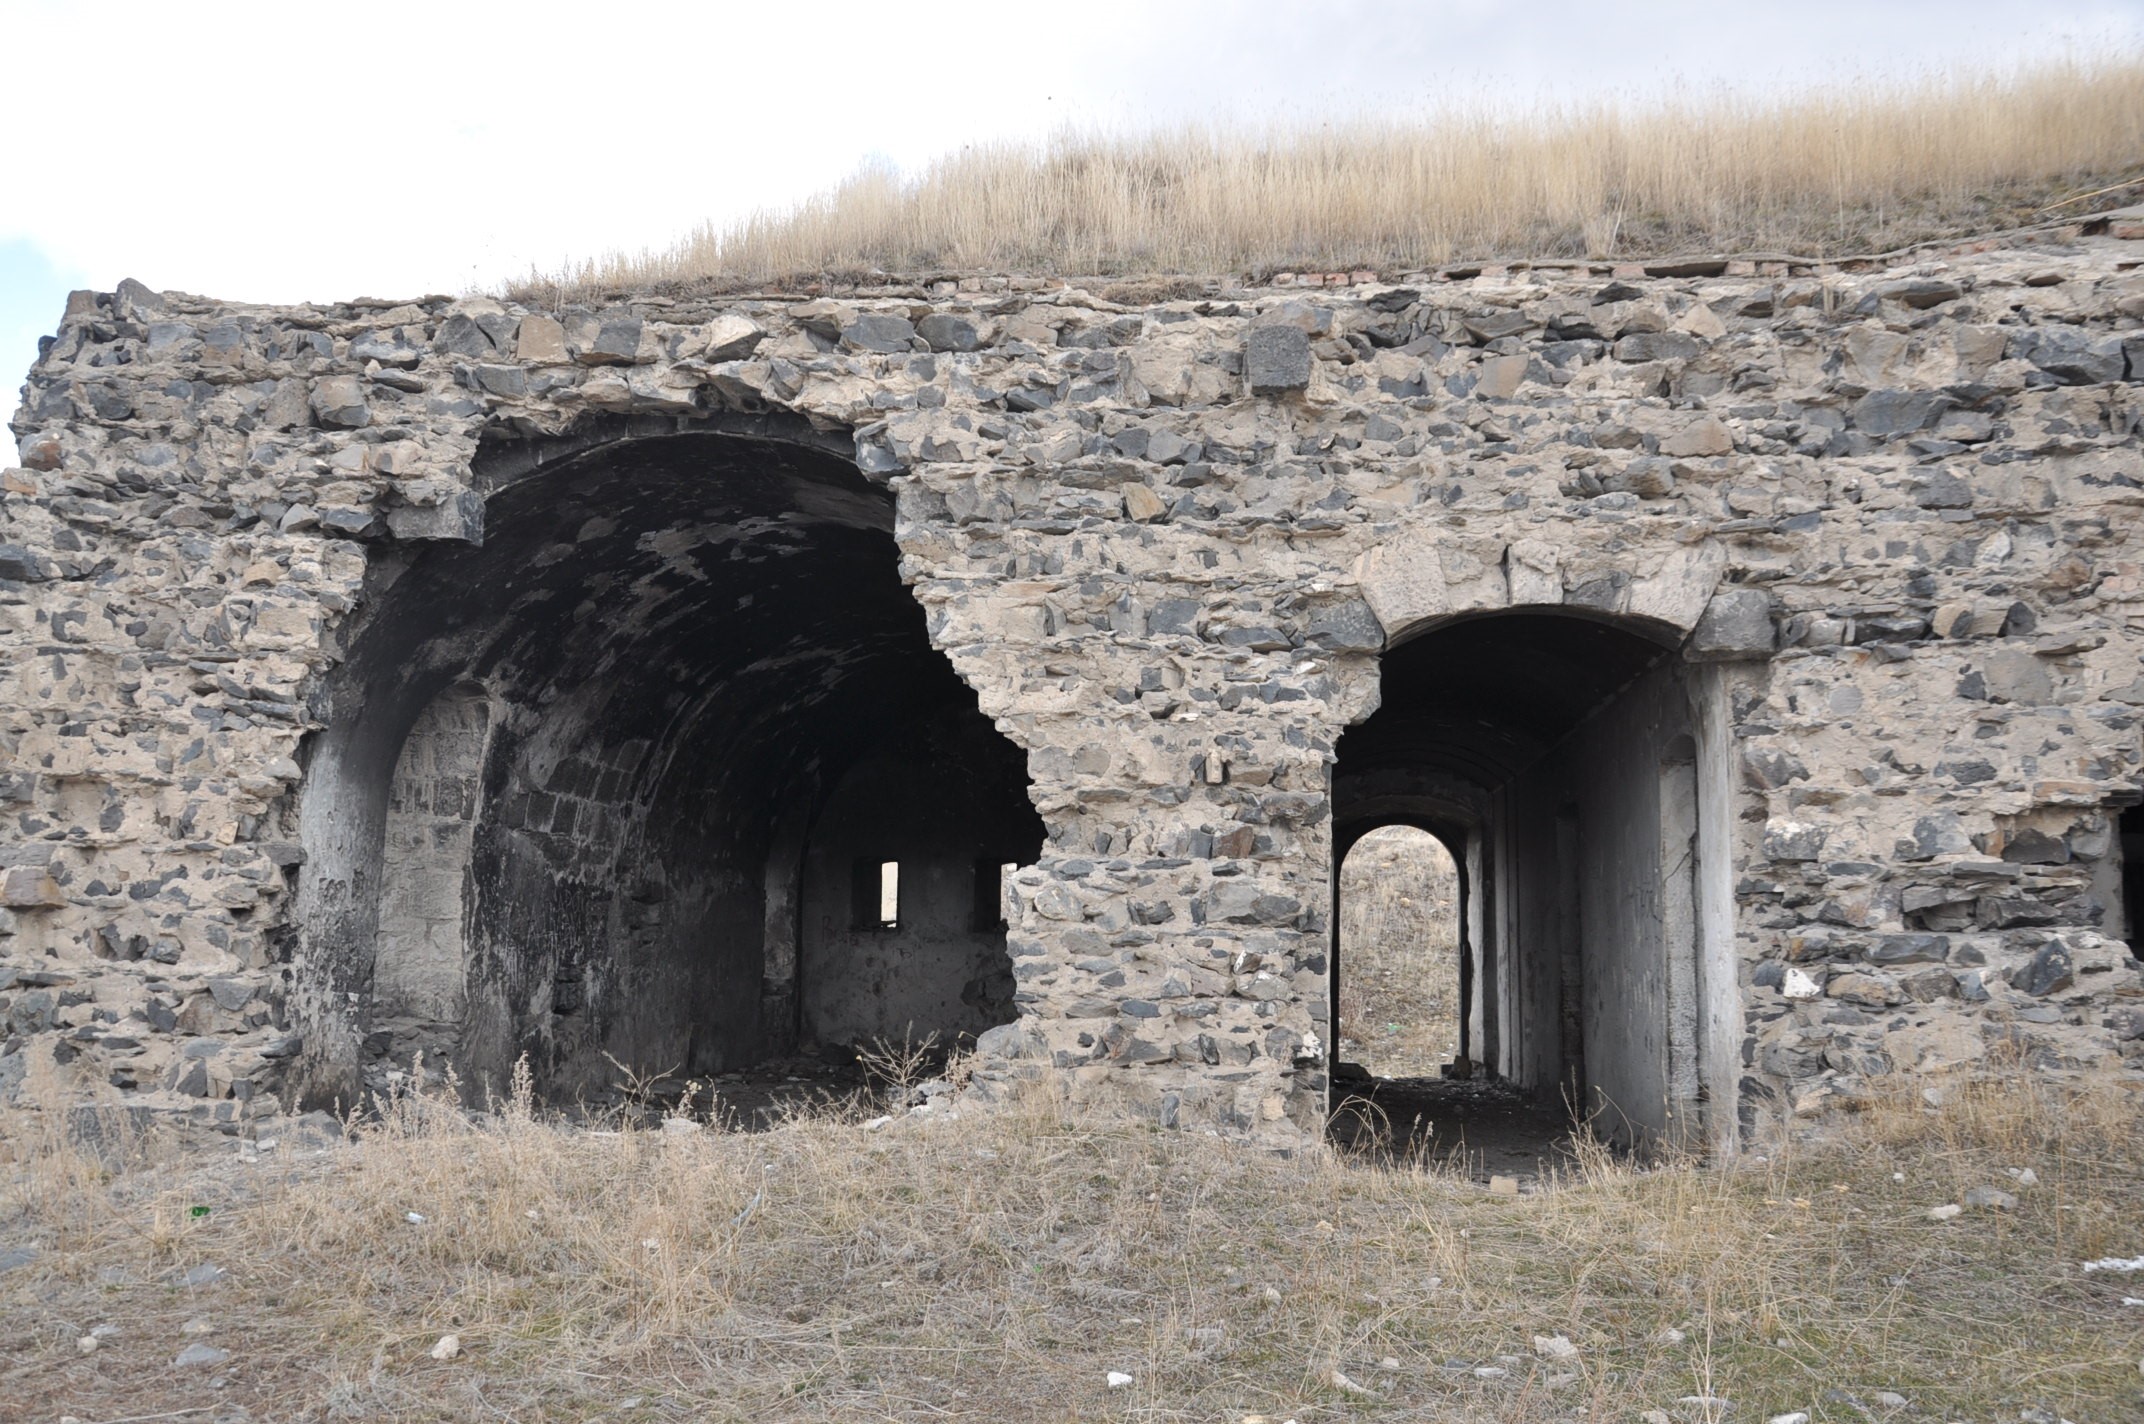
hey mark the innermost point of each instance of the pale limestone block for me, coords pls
(1141, 503)
(540, 341)
(1678, 591)
(1978, 349)
(1705, 436)
(1876, 353)
(1535, 573)
(1499, 377)
(1701, 322)
(729, 338)
(1402, 580)
(1164, 367)
(1474, 576)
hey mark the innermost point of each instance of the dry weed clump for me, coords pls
(1001, 1266)
(1861, 168)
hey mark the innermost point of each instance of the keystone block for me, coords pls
(1736, 627)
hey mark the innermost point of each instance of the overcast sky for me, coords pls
(302, 150)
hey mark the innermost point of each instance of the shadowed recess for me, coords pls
(1486, 697)
(698, 680)
(1553, 753)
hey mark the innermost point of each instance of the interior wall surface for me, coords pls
(419, 985)
(1634, 904)
(945, 801)
(1166, 538)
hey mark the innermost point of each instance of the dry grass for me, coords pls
(1399, 954)
(996, 1268)
(1859, 168)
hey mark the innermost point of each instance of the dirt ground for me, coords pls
(1030, 1264)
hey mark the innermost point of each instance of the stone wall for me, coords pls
(1164, 536)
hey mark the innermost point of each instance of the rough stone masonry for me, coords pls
(697, 681)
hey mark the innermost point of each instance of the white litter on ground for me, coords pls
(1347, 1386)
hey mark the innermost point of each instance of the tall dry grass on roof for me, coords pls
(1859, 169)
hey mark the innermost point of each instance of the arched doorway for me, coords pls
(610, 784)
(1567, 756)
(1400, 1009)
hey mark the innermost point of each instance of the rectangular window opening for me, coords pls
(991, 877)
(876, 894)
(889, 894)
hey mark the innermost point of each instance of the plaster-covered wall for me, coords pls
(1628, 868)
(419, 986)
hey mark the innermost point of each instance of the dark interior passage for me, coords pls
(595, 786)
(1557, 752)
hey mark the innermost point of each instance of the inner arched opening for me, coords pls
(1557, 754)
(663, 776)
(1399, 1004)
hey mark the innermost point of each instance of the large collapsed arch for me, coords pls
(687, 693)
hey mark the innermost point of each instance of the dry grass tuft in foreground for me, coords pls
(1001, 1268)
(1853, 170)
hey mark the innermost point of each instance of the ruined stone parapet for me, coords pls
(1893, 515)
